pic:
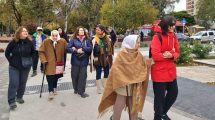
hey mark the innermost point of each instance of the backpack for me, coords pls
(160, 39)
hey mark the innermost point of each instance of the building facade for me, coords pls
(191, 7)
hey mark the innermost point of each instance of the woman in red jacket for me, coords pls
(163, 71)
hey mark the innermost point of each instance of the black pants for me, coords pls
(52, 82)
(79, 78)
(165, 95)
(35, 61)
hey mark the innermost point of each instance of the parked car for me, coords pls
(182, 37)
(204, 36)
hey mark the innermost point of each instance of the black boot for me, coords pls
(34, 73)
(165, 117)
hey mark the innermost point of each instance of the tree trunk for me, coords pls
(16, 13)
(66, 22)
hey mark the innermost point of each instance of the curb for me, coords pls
(203, 63)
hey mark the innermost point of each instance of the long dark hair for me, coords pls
(102, 28)
(76, 33)
(165, 23)
(18, 33)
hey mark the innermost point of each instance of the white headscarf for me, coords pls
(129, 41)
(55, 32)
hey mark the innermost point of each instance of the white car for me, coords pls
(204, 36)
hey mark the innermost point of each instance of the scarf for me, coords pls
(103, 40)
(81, 37)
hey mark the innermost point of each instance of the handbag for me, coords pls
(59, 66)
(26, 62)
(80, 56)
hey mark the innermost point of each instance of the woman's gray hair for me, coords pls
(55, 32)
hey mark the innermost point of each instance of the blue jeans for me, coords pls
(17, 83)
(99, 72)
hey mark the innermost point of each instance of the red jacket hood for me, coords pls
(157, 29)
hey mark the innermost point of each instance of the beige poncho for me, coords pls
(128, 68)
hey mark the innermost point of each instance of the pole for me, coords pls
(41, 90)
(183, 28)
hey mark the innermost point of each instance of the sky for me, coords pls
(180, 6)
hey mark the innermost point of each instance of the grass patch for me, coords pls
(211, 83)
(210, 57)
(188, 64)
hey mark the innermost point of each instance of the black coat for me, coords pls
(15, 50)
(113, 37)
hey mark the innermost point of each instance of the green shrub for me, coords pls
(201, 50)
(185, 54)
(143, 44)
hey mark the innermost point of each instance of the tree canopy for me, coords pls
(68, 14)
(125, 14)
(206, 12)
(183, 14)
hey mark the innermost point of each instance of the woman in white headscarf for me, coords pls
(127, 82)
(51, 54)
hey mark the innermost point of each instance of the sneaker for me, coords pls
(51, 96)
(84, 95)
(75, 92)
(165, 117)
(13, 106)
(139, 118)
(55, 91)
(20, 100)
(34, 73)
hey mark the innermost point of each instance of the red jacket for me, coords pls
(164, 69)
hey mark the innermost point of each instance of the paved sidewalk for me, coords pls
(68, 106)
(71, 106)
(4, 109)
(207, 62)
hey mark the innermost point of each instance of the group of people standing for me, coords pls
(52, 51)
(127, 83)
(125, 80)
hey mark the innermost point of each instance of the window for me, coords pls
(205, 34)
(211, 33)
